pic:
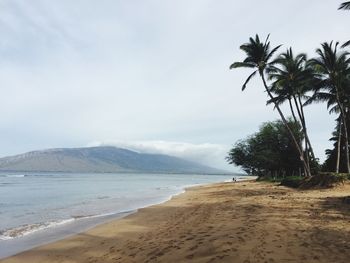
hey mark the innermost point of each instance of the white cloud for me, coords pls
(78, 71)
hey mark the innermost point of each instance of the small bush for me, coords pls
(324, 180)
(292, 181)
(269, 179)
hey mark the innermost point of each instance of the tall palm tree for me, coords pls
(330, 99)
(336, 138)
(258, 56)
(339, 135)
(334, 67)
(292, 78)
(345, 6)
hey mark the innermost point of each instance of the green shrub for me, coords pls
(269, 179)
(292, 181)
(324, 180)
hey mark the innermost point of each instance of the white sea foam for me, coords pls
(12, 175)
(25, 230)
(31, 228)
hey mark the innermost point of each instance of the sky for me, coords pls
(150, 75)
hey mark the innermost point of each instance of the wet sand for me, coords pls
(228, 222)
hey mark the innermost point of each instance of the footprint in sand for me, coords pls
(194, 247)
(190, 256)
(241, 239)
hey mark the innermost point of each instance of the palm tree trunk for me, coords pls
(304, 125)
(346, 139)
(292, 110)
(307, 169)
(304, 131)
(338, 146)
(296, 121)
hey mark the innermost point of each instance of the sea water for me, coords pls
(37, 208)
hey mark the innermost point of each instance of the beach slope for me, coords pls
(228, 222)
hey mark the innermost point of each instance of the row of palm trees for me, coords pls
(300, 81)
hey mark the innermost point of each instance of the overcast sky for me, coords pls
(150, 75)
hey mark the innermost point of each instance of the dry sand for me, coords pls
(229, 222)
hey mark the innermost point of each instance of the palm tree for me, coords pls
(258, 57)
(330, 99)
(334, 67)
(339, 128)
(345, 6)
(292, 78)
(336, 138)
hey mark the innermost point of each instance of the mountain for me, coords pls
(106, 159)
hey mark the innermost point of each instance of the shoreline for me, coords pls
(41, 237)
(243, 221)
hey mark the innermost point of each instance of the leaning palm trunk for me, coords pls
(346, 143)
(300, 111)
(301, 117)
(304, 127)
(292, 110)
(296, 121)
(346, 139)
(294, 116)
(306, 167)
(338, 146)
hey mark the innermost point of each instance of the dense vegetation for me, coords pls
(270, 151)
(284, 147)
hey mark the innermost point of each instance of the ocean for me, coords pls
(38, 208)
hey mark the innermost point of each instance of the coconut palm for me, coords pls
(333, 155)
(345, 5)
(292, 78)
(338, 135)
(330, 99)
(334, 66)
(259, 56)
(284, 79)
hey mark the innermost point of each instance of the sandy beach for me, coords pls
(228, 222)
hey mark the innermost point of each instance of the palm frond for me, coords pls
(319, 97)
(267, 39)
(334, 109)
(242, 65)
(345, 6)
(273, 51)
(248, 79)
(276, 100)
(347, 43)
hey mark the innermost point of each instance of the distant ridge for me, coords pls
(104, 159)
